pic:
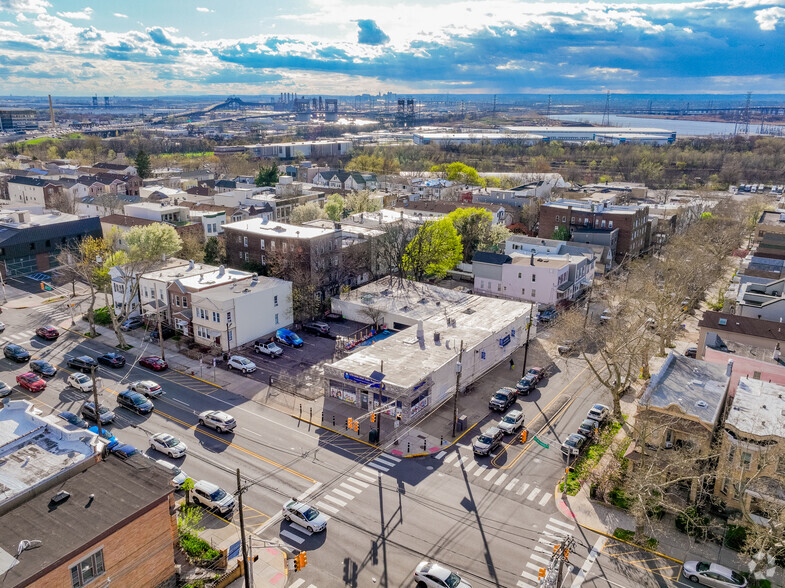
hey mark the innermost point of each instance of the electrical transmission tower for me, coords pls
(548, 112)
(606, 115)
(745, 115)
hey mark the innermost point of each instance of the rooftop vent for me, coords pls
(61, 496)
(701, 404)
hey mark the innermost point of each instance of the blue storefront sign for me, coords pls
(504, 341)
(363, 381)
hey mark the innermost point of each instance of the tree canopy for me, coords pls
(435, 250)
(459, 172)
(306, 212)
(334, 207)
(361, 201)
(267, 176)
(378, 164)
(152, 242)
(142, 164)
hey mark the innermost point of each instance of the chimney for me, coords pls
(420, 331)
(221, 271)
(730, 368)
(531, 261)
(190, 265)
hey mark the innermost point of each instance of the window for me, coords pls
(272, 245)
(245, 241)
(201, 313)
(262, 244)
(32, 246)
(177, 300)
(519, 275)
(261, 259)
(228, 316)
(276, 318)
(275, 300)
(572, 219)
(216, 317)
(88, 569)
(48, 243)
(231, 336)
(724, 488)
(523, 291)
(185, 302)
(564, 219)
(283, 246)
(610, 224)
(534, 293)
(202, 332)
(746, 458)
(246, 256)
(146, 294)
(534, 277)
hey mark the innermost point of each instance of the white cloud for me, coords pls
(203, 9)
(769, 18)
(120, 15)
(34, 6)
(85, 14)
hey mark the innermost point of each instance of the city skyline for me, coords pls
(71, 48)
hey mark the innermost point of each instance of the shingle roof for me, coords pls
(115, 166)
(122, 220)
(488, 257)
(743, 325)
(29, 181)
(225, 184)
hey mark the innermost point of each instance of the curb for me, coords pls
(336, 432)
(442, 447)
(200, 379)
(657, 553)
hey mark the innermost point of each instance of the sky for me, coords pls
(346, 47)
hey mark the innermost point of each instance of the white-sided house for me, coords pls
(124, 282)
(235, 314)
(212, 221)
(762, 301)
(157, 212)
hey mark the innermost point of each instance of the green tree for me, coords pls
(267, 176)
(142, 164)
(192, 248)
(152, 242)
(306, 212)
(334, 207)
(215, 251)
(435, 250)
(459, 172)
(361, 201)
(561, 233)
(472, 225)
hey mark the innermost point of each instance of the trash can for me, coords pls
(373, 436)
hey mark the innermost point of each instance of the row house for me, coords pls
(33, 192)
(117, 168)
(345, 180)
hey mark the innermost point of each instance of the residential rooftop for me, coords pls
(217, 277)
(158, 207)
(123, 220)
(179, 268)
(742, 325)
(590, 206)
(758, 408)
(541, 260)
(237, 290)
(772, 218)
(267, 228)
(21, 218)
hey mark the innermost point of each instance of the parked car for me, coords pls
(589, 428)
(31, 381)
(135, 402)
(210, 495)
(147, 387)
(5, 390)
(178, 476)
(105, 435)
(268, 348)
(432, 575)
(49, 333)
(243, 364)
(487, 441)
(512, 421)
(537, 372)
(123, 450)
(288, 337)
(167, 332)
(218, 420)
(83, 363)
(73, 419)
(606, 316)
(573, 445)
(112, 359)
(154, 363)
(2, 326)
(80, 381)
(43, 367)
(132, 323)
(317, 327)
(304, 515)
(526, 384)
(89, 412)
(502, 399)
(599, 413)
(16, 353)
(691, 352)
(547, 315)
(712, 574)
(567, 347)
(168, 444)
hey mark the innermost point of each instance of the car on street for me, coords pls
(268, 348)
(83, 363)
(599, 413)
(73, 419)
(317, 328)
(567, 347)
(712, 574)
(123, 450)
(167, 332)
(178, 476)
(573, 445)
(89, 412)
(502, 399)
(304, 515)
(243, 364)
(111, 359)
(42, 367)
(589, 428)
(526, 384)
(288, 337)
(168, 444)
(2, 326)
(48, 332)
(154, 363)
(432, 575)
(5, 390)
(31, 381)
(147, 387)
(691, 352)
(211, 495)
(132, 323)
(487, 441)
(218, 420)
(512, 421)
(106, 435)
(16, 353)
(537, 372)
(80, 381)
(135, 402)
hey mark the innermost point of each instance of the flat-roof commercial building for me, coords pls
(18, 119)
(413, 371)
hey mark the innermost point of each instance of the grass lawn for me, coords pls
(590, 458)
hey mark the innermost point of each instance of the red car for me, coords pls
(537, 372)
(153, 362)
(31, 381)
(49, 333)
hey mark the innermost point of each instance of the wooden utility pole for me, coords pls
(526, 345)
(95, 400)
(458, 369)
(246, 564)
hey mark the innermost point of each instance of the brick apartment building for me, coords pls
(589, 217)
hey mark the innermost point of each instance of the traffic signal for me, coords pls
(300, 561)
(556, 547)
(398, 416)
(350, 423)
(42, 286)
(297, 563)
(541, 575)
(524, 435)
(357, 426)
(373, 417)
(566, 554)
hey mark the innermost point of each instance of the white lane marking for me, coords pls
(509, 486)
(557, 529)
(539, 558)
(526, 575)
(363, 477)
(470, 466)
(327, 507)
(352, 488)
(292, 537)
(335, 500)
(542, 549)
(556, 521)
(490, 475)
(533, 494)
(595, 551)
(441, 454)
(385, 462)
(301, 530)
(460, 460)
(500, 479)
(297, 584)
(532, 566)
(392, 458)
(523, 489)
(343, 494)
(546, 541)
(358, 483)
(374, 473)
(450, 457)
(180, 401)
(378, 467)
(522, 584)
(481, 470)
(544, 499)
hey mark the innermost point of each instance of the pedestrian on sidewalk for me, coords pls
(512, 364)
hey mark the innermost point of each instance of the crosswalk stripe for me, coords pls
(470, 466)
(352, 488)
(542, 549)
(303, 531)
(500, 479)
(532, 566)
(385, 461)
(392, 458)
(343, 494)
(297, 583)
(481, 470)
(364, 477)
(523, 489)
(378, 467)
(533, 494)
(557, 529)
(358, 483)
(292, 536)
(522, 584)
(335, 500)
(374, 473)
(327, 507)
(509, 486)
(441, 454)
(490, 475)
(546, 541)
(539, 558)
(546, 497)
(567, 526)
(460, 460)
(526, 575)
(450, 457)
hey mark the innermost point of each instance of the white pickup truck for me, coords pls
(268, 348)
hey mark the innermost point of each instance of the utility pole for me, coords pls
(95, 399)
(563, 555)
(158, 312)
(246, 564)
(588, 305)
(526, 345)
(458, 368)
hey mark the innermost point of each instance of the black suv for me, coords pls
(16, 352)
(317, 328)
(167, 332)
(502, 399)
(135, 401)
(83, 363)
